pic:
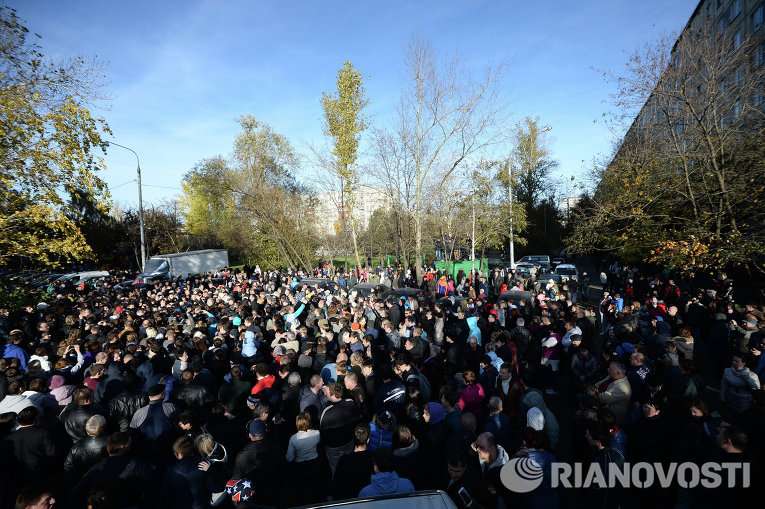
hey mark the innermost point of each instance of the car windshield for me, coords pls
(566, 271)
(539, 258)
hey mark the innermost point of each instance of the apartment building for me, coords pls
(716, 66)
(367, 201)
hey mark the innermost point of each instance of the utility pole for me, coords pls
(140, 201)
(510, 187)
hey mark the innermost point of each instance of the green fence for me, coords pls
(453, 267)
(350, 261)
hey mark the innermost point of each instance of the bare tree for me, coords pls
(392, 171)
(446, 118)
(684, 186)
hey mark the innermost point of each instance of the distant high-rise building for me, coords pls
(366, 201)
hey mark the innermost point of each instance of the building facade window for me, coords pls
(758, 17)
(759, 99)
(737, 109)
(739, 76)
(738, 39)
(735, 9)
(759, 55)
(722, 24)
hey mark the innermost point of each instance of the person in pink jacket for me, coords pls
(472, 396)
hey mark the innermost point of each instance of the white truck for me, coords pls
(174, 265)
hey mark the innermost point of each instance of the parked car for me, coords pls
(318, 283)
(526, 270)
(127, 284)
(558, 260)
(452, 302)
(551, 276)
(79, 277)
(541, 261)
(567, 271)
(430, 499)
(45, 280)
(516, 296)
(397, 293)
(367, 289)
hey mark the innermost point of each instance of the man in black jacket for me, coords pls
(32, 447)
(354, 470)
(76, 414)
(404, 368)
(336, 425)
(192, 394)
(154, 422)
(121, 475)
(88, 451)
(122, 408)
(111, 384)
(521, 336)
(391, 395)
(185, 485)
(260, 462)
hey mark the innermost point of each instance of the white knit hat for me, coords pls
(535, 419)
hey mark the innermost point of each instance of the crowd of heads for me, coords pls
(251, 387)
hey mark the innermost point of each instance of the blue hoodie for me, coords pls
(12, 351)
(387, 483)
(472, 322)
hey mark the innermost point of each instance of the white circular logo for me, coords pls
(521, 475)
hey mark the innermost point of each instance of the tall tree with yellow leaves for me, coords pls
(47, 142)
(344, 122)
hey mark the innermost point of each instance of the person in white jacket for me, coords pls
(737, 385)
(614, 391)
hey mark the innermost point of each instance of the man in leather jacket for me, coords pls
(193, 395)
(122, 408)
(76, 414)
(88, 451)
(121, 474)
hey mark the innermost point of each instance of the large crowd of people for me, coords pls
(251, 388)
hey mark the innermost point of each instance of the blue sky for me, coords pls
(179, 73)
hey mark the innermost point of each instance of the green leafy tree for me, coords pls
(48, 139)
(253, 204)
(532, 163)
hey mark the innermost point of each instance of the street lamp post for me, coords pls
(510, 187)
(140, 201)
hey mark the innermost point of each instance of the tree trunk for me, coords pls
(355, 246)
(399, 235)
(418, 229)
(284, 253)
